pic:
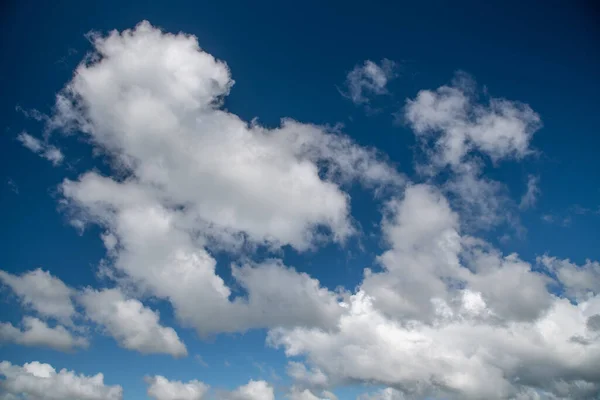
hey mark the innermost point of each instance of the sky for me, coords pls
(262, 200)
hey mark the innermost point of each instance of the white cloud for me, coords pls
(159, 119)
(41, 291)
(530, 197)
(160, 388)
(579, 282)
(253, 390)
(38, 333)
(38, 381)
(452, 118)
(45, 150)
(200, 178)
(450, 317)
(456, 357)
(133, 325)
(369, 79)
(298, 394)
(383, 394)
(307, 378)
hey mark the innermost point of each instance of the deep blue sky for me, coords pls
(289, 60)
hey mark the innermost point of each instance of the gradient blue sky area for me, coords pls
(291, 60)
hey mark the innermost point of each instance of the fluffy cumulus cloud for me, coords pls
(369, 79)
(199, 177)
(253, 390)
(442, 314)
(43, 149)
(133, 325)
(450, 317)
(456, 123)
(160, 388)
(42, 292)
(40, 381)
(37, 333)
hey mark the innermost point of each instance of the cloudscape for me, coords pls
(190, 216)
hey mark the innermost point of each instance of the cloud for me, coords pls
(451, 123)
(449, 316)
(298, 394)
(383, 394)
(579, 282)
(455, 130)
(43, 149)
(306, 378)
(253, 390)
(481, 202)
(530, 197)
(160, 121)
(133, 325)
(369, 79)
(200, 178)
(41, 291)
(41, 382)
(441, 314)
(160, 388)
(38, 333)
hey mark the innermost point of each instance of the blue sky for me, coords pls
(365, 178)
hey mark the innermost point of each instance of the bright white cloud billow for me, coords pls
(450, 317)
(443, 313)
(38, 381)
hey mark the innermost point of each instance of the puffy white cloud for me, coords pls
(149, 244)
(369, 79)
(458, 124)
(530, 196)
(253, 390)
(198, 177)
(459, 355)
(41, 291)
(423, 233)
(150, 101)
(579, 282)
(160, 388)
(38, 381)
(45, 150)
(450, 317)
(133, 325)
(37, 333)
